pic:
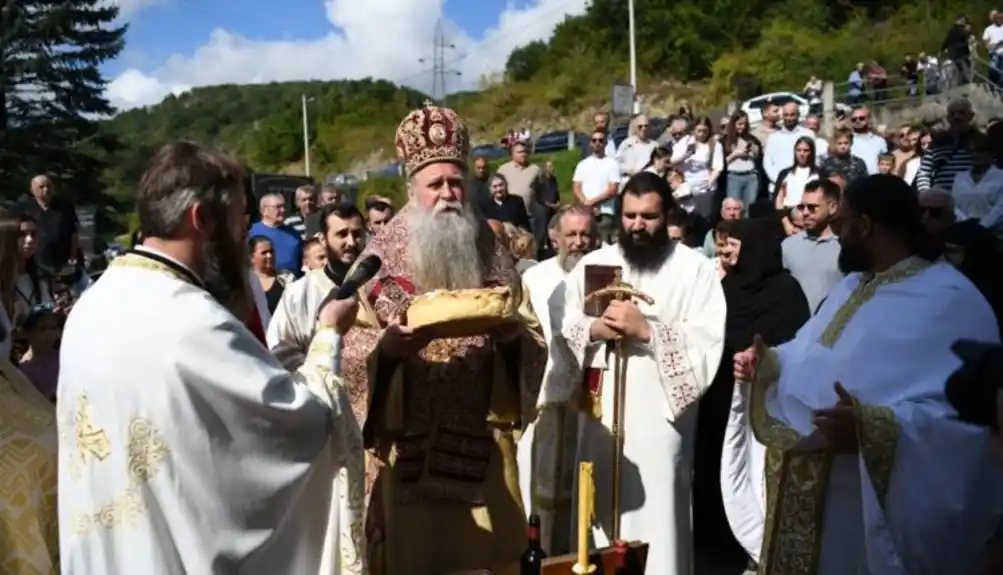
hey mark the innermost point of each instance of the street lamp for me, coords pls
(633, 54)
(306, 136)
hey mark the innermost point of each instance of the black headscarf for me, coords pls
(763, 298)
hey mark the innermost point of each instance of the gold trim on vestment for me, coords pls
(878, 437)
(869, 283)
(139, 262)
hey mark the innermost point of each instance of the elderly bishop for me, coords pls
(440, 416)
(669, 345)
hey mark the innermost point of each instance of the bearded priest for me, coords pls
(184, 446)
(442, 417)
(343, 233)
(672, 346)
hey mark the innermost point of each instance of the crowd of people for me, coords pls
(785, 349)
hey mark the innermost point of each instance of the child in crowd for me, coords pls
(886, 164)
(314, 254)
(42, 328)
(680, 189)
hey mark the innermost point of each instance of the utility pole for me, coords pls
(440, 69)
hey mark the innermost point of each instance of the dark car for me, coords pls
(551, 142)
(619, 134)
(489, 151)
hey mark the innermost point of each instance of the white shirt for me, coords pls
(911, 169)
(993, 37)
(796, 180)
(634, 154)
(779, 152)
(982, 200)
(595, 174)
(697, 167)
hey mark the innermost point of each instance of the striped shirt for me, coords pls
(296, 223)
(941, 164)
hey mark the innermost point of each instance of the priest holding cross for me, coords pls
(649, 342)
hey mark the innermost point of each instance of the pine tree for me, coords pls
(53, 92)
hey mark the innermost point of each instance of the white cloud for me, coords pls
(128, 7)
(379, 38)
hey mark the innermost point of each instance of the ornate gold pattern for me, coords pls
(135, 261)
(431, 134)
(878, 436)
(145, 451)
(868, 285)
(92, 441)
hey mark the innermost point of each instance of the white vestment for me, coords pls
(545, 282)
(186, 448)
(665, 377)
(292, 325)
(922, 496)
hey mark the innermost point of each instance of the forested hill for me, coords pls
(705, 52)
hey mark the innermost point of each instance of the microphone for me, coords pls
(363, 272)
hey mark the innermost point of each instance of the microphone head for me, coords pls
(369, 266)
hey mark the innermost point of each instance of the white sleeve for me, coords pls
(717, 163)
(613, 177)
(286, 335)
(578, 176)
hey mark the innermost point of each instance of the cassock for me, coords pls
(292, 326)
(186, 448)
(664, 379)
(441, 425)
(922, 494)
(549, 460)
(29, 541)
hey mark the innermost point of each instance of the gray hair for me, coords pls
(938, 194)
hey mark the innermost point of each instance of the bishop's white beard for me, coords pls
(443, 248)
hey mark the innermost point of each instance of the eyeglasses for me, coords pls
(810, 208)
(858, 118)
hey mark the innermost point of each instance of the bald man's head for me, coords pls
(790, 115)
(273, 209)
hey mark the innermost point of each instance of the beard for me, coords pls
(567, 260)
(644, 251)
(853, 257)
(223, 272)
(444, 247)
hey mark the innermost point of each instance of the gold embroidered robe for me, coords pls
(29, 542)
(185, 447)
(922, 494)
(441, 427)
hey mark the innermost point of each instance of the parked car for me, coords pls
(489, 151)
(754, 106)
(556, 141)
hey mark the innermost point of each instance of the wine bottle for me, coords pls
(532, 559)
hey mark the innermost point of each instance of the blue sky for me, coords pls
(173, 45)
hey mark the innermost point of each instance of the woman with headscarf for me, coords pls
(763, 299)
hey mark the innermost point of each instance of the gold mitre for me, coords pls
(429, 135)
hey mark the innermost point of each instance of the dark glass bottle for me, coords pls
(532, 559)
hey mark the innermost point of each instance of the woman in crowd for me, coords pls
(33, 287)
(660, 162)
(978, 191)
(908, 169)
(263, 266)
(701, 160)
(840, 160)
(792, 180)
(763, 300)
(522, 244)
(743, 157)
(28, 441)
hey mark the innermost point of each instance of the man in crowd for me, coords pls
(867, 470)
(950, 154)
(673, 347)
(938, 211)
(222, 459)
(329, 194)
(440, 415)
(814, 124)
(306, 204)
(378, 214)
(292, 325)
(286, 241)
(523, 178)
(635, 151)
(574, 232)
(769, 125)
(545, 208)
(867, 145)
(731, 209)
(600, 122)
(595, 184)
(812, 255)
(58, 239)
(779, 148)
(479, 194)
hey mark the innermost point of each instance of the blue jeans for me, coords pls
(744, 187)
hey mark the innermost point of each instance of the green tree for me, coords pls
(53, 93)
(524, 62)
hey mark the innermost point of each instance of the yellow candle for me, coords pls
(586, 502)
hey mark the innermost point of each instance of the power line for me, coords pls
(440, 45)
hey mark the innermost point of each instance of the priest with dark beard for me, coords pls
(343, 231)
(672, 347)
